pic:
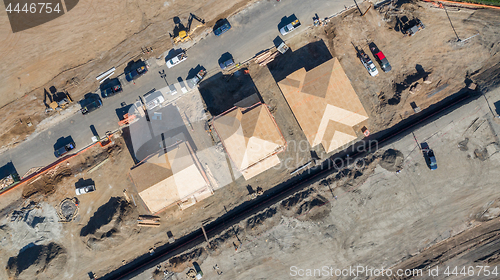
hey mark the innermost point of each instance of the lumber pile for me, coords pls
(264, 58)
(148, 221)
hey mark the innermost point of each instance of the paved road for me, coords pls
(254, 29)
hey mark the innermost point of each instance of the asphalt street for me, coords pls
(253, 30)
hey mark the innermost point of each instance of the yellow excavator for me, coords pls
(185, 31)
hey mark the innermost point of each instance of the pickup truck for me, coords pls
(64, 150)
(197, 79)
(290, 27)
(381, 59)
(136, 73)
(91, 104)
(429, 156)
(111, 88)
(367, 62)
(176, 60)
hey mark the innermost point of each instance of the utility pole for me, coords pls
(444, 7)
(163, 75)
(358, 8)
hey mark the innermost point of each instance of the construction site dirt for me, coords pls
(390, 211)
(414, 218)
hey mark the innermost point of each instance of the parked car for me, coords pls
(290, 27)
(224, 65)
(199, 76)
(85, 189)
(136, 73)
(91, 104)
(429, 156)
(176, 60)
(111, 88)
(65, 149)
(381, 59)
(432, 159)
(221, 26)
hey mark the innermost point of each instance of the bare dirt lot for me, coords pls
(36, 239)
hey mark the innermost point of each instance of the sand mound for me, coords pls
(47, 183)
(314, 208)
(37, 262)
(392, 160)
(110, 225)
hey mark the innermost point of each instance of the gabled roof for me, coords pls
(250, 137)
(169, 177)
(324, 103)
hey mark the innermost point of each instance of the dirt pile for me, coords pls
(47, 183)
(306, 205)
(392, 160)
(181, 262)
(38, 262)
(262, 221)
(113, 222)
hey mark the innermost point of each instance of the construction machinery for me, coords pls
(413, 27)
(61, 104)
(366, 61)
(185, 31)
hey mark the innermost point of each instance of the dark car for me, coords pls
(111, 89)
(136, 73)
(92, 104)
(380, 57)
(221, 26)
(226, 64)
(429, 156)
(65, 149)
(432, 159)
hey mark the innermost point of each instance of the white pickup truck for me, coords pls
(290, 27)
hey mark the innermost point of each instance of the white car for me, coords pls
(176, 60)
(86, 189)
(372, 69)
